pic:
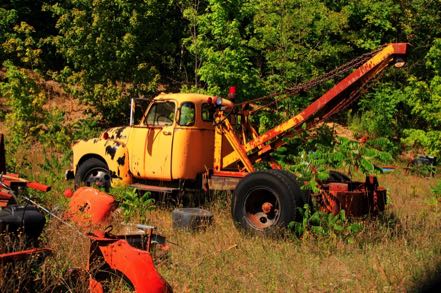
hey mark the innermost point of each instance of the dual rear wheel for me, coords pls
(267, 200)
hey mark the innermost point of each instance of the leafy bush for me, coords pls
(436, 190)
(311, 160)
(134, 203)
(324, 224)
(26, 99)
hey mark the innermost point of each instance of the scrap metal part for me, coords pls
(356, 198)
(127, 255)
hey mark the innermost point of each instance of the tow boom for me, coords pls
(334, 100)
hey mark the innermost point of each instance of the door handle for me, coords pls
(166, 132)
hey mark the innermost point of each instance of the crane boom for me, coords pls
(334, 100)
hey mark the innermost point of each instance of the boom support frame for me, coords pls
(238, 162)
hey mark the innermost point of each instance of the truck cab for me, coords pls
(173, 141)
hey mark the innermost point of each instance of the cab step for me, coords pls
(154, 188)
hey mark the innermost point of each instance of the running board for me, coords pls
(153, 188)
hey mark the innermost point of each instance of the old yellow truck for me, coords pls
(187, 142)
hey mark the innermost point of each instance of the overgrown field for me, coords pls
(393, 254)
(398, 252)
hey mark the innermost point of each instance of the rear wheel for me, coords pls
(302, 197)
(265, 200)
(92, 172)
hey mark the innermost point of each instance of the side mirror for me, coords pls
(132, 111)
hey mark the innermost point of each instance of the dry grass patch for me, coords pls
(394, 253)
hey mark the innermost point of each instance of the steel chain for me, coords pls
(314, 82)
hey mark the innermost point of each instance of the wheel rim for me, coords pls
(261, 208)
(97, 176)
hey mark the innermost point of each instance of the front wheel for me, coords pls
(93, 172)
(264, 201)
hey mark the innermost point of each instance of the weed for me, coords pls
(324, 224)
(436, 190)
(134, 203)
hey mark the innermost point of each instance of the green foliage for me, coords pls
(323, 224)
(379, 112)
(106, 52)
(294, 37)
(85, 128)
(52, 167)
(133, 203)
(26, 99)
(373, 23)
(114, 49)
(221, 42)
(310, 158)
(28, 120)
(424, 99)
(436, 190)
(21, 45)
(428, 142)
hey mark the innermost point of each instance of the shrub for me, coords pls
(324, 224)
(133, 203)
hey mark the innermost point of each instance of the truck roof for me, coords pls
(191, 97)
(182, 97)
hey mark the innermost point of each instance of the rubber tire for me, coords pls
(301, 197)
(282, 187)
(191, 219)
(86, 166)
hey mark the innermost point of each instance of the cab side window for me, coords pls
(186, 117)
(161, 114)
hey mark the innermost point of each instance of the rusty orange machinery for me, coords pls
(356, 198)
(240, 161)
(334, 100)
(127, 254)
(14, 218)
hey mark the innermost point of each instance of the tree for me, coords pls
(222, 43)
(114, 49)
(424, 100)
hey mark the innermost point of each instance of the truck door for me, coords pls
(160, 121)
(150, 143)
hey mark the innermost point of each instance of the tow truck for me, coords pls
(186, 142)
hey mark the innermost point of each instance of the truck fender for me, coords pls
(112, 152)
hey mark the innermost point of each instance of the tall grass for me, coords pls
(397, 252)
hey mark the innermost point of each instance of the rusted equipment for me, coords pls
(356, 198)
(192, 141)
(15, 218)
(23, 254)
(90, 207)
(15, 182)
(110, 254)
(331, 102)
(127, 254)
